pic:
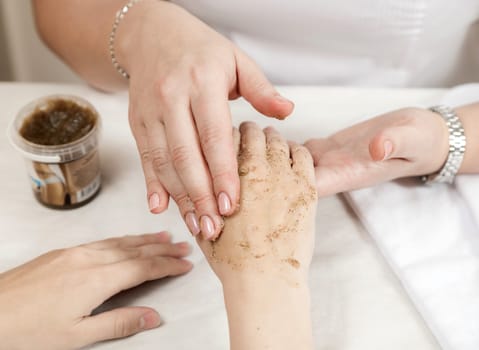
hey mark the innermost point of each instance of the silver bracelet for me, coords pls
(457, 147)
(119, 16)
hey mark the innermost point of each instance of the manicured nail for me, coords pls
(154, 201)
(150, 320)
(192, 223)
(224, 203)
(207, 227)
(283, 99)
(388, 148)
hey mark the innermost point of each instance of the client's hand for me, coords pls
(47, 302)
(262, 256)
(403, 143)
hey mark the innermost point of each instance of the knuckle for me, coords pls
(122, 328)
(224, 176)
(183, 200)
(145, 156)
(198, 75)
(160, 158)
(211, 137)
(181, 156)
(203, 200)
(166, 86)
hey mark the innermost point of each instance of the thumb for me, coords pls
(257, 90)
(117, 323)
(393, 143)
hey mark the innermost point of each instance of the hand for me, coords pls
(403, 143)
(182, 75)
(263, 255)
(47, 302)
(273, 232)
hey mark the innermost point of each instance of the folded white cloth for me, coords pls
(430, 237)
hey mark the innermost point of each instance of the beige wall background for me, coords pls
(23, 56)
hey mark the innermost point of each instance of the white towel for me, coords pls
(430, 237)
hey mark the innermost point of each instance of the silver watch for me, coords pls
(457, 147)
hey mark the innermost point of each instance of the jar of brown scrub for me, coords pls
(58, 136)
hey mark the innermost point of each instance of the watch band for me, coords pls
(457, 147)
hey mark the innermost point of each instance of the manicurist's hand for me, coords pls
(182, 74)
(402, 143)
(263, 255)
(46, 304)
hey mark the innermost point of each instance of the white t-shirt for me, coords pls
(410, 43)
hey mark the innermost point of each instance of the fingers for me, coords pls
(117, 323)
(190, 166)
(213, 123)
(156, 194)
(116, 255)
(277, 149)
(164, 167)
(114, 278)
(302, 162)
(253, 141)
(256, 89)
(131, 241)
(174, 250)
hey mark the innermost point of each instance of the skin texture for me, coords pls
(403, 143)
(263, 255)
(47, 302)
(182, 75)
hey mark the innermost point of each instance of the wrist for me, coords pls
(268, 314)
(442, 132)
(456, 144)
(130, 32)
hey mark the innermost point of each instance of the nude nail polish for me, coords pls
(154, 201)
(150, 320)
(388, 149)
(224, 203)
(207, 227)
(192, 223)
(283, 99)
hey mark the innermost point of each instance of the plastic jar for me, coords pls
(62, 176)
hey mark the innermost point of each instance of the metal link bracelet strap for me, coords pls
(111, 43)
(457, 147)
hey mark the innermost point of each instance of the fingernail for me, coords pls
(184, 246)
(154, 201)
(388, 148)
(207, 227)
(163, 235)
(224, 203)
(283, 99)
(150, 320)
(192, 223)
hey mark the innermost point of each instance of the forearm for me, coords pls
(78, 31)
(268, 315)
(469, 116)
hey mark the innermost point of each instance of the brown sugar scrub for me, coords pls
(277, 204)
(58, 135)
(59, 122)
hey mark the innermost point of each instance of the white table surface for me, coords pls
(357, 302)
